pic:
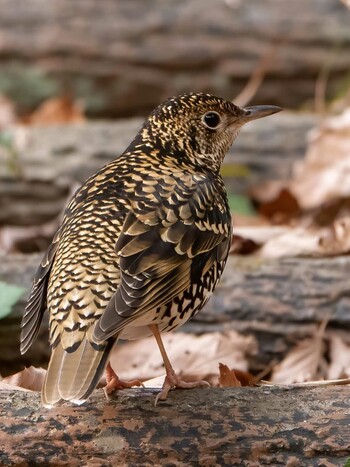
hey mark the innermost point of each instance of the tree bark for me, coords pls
(122, 58)
(232, 426)
(278, 301)
(45, 164)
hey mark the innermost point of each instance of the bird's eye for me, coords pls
(212, 120)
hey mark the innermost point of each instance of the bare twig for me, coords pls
(256, 78)
(320, 90)
(322, 81)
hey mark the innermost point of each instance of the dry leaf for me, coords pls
(30, 378)
(305, 362)
(242, 220)
(155, 383)
(9, 387)
(57, 110)
(261, 234)
(191, 355)
(293, 242)
(324, 174)
(235, 377)
(336, 239)
(275, 201)
(228, 378)
(279, 242)
(339, 353)
(243, 246)
(11, 237)
(321, 178)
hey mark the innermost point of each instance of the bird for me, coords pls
(140, 248)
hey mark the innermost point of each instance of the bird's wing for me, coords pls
(36, 304)
(162, 252)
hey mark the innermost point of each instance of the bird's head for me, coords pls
(198, 129)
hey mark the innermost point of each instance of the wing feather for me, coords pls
(36, 304)
(158, 262)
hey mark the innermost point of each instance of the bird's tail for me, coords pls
(74, 375)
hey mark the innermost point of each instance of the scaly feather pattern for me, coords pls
(143, 242)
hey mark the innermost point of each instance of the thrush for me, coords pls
(140, 248)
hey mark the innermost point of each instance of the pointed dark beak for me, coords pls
(259, 111)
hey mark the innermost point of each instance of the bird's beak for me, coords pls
(259, 111)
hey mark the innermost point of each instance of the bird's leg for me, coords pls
(171, 379)
(113, 382)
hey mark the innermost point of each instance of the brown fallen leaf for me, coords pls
(13, 237)
(228, 378)
(324, 173)
(339, 354)
(305, 362)
(57, 110)
(30, 378)
(336, 239)
(287, 241)
(243, 246)
(235, 377)
(275, 201)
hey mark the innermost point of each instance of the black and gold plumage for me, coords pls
(141, 245)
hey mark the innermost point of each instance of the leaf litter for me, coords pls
(307, 215)
(193, 357)
(319, 360)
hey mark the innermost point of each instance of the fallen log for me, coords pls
(278, 301)
(123, 58)
(232, 426)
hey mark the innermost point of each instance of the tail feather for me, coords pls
(50, 394)
(74, 375)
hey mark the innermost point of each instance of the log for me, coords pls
(50, 161)
(278, 301)
(121, 58)
(232, 426)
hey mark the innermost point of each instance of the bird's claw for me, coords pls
(116, 384)
(173, 381)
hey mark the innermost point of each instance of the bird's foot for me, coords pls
(114, 383)
(173, 381)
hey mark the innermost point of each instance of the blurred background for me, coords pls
(77, 78)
